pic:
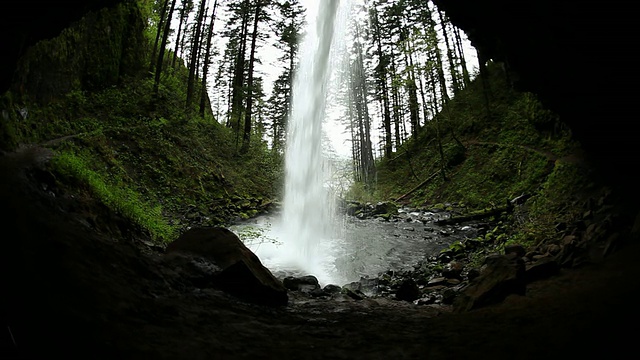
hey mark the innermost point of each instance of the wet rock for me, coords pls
(427, 299)
(332, 289)
(306, 283)
(473, 273)
(516, 249)
(453, 282)
(368, 285)
(569, 240)
(384, 208)
(453, 270)
(437, 281)
(408, 291)
(353, 286)
(355, 295)
(448, 296)
(500, 276)
(198, 271)
(553, 249)
(317, 293)
(242, 272)
(542, 269)
(445, 256)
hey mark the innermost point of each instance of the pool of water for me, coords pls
(358, 248)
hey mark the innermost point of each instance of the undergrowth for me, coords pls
(490, 156)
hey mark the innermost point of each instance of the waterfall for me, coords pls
(307, 210)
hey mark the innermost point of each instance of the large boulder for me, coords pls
(241, 272)
(500, 276)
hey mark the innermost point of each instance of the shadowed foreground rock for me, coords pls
(499, 277)
(72, 290)
(241, 272)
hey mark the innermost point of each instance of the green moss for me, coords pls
(121, 199)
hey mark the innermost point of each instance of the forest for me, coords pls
(468, 218)
(211, 83)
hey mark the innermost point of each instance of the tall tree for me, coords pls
(365, 171)
(412, 88)
(288, 29)
(279, 105)
(183, 13)
(463, 62)
(246, 136)
(163, 9)
(431, 28)
(450, 54)
(241, 12)
(163, 44)
(195, 44)
(381, 78)
(207, 60)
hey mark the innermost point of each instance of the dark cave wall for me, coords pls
(98, 51)
(25, 22)
(578, 56)
(53, 48)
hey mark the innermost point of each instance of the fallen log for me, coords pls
(475, 216)
(419, 186)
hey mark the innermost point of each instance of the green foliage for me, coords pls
(358, 192)
(147, 158)
(490, 157)
(559, 200)
(487, 160)
(121, 199)
(253, 235)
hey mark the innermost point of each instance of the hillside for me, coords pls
(492, 148)
(86, 95)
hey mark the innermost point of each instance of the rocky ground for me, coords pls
(79, 282)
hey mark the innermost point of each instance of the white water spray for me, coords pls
(307, 211)
(306, 242)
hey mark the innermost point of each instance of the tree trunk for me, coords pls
(452, 66)
(412, 89)
(194, 56)
(438, 59)
(382, 85)
(463, 61)
(158, 33)
(425, 112)
(205, 71)
(436, 118)
(163, 44)
(238, 78)
(395, 97)
(364, 122)
(177, 47)
(246, 137)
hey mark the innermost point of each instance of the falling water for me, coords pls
(306, 217)
(303, 239)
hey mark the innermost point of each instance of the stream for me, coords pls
(358, 248)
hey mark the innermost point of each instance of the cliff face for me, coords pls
(94, 52)
(576, 56)
(25, 22)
